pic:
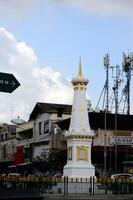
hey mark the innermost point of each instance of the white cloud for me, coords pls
(19, 8)
(102, 7)
(22, 8)
(37, 83)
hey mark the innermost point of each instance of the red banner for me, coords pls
(19, 156)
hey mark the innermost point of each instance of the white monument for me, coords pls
(79, 136)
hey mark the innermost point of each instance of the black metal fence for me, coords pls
(65, 185)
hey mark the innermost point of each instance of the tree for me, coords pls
(51, 162)
(57, 159)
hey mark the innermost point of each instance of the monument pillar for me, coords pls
(79, 136)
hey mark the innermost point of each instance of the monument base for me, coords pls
(79, 171)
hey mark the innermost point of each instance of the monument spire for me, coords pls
(79, 117)
(79, 136)
(80, 69)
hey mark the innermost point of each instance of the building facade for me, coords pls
(7, 146)
(46, 133)
(39, 135)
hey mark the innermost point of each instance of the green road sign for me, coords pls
(8, 83)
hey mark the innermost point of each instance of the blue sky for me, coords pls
(58, 33)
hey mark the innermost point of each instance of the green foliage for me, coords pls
(52, 161)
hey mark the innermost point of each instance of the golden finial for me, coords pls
(80, 70)
(79, 80)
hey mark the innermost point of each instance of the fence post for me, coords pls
(93, 185)
(106, 186)
(90, 188)
(65, 185)
(116, 186)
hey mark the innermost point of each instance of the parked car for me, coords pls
(14, 174)
(58, 175)
(122, 176)
(9, 184)
(2, 175)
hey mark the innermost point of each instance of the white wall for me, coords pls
(44, 136)
(99, 138)
(10, 146)
(40, 118)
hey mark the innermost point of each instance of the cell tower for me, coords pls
(106, 65)
(127, 67)
(105, 90)
(116, 72)
(118, 101)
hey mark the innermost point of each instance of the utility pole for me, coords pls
(106, 65)
(105, 145)
(115, 89)
(127, 68)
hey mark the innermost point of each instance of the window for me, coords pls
(13, 131)
(2, 137)
(40, 128)
(4, 151)
(46, 142)
(42, 143)
(59, 112)
(46, 127)
(5, 136)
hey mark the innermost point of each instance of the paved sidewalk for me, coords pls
(36, 196)
(87, 197)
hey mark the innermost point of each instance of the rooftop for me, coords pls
(97, 120)
(49, 108)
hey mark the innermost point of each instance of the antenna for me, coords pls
(127, 67)
(105, 90)
(107, 64)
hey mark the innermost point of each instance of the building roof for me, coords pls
(50, 108)
(7, 127)
(97, 120)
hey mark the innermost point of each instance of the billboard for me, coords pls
(121, 140)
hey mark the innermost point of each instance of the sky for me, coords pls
(41, 42)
